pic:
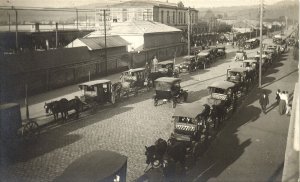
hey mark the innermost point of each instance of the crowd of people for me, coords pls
(282, 100)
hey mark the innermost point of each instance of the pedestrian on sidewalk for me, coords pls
(277, 96)
(264, 101)
(154, 63)
(282, 103)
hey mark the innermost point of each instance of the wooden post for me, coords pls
(260, 47)
(26, 102)
(89, 75)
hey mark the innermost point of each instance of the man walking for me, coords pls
(264, 101)
(154, 63)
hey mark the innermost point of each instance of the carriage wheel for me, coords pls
(156, 164)
(30, 131)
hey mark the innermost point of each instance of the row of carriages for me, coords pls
(195, 123)
(165, 79)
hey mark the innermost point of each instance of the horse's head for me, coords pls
(150, 154)
(48, 107)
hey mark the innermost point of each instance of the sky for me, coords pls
(75, 3)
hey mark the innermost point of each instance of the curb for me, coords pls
(291, 160)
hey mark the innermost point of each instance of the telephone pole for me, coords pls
(189, 31)
(260, 44)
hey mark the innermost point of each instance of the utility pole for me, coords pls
(105, 49)
(17, 44)
(56, 29)
(260, 44)
(77, 18)
(189, 31)
(8, 22)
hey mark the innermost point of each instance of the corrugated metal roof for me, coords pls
(141, 27)
(94, 43)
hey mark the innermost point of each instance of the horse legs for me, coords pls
(55, 116)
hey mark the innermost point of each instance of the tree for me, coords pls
(219, 16)
(225, 15)
(180, 4)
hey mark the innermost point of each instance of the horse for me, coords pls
(163, 153)
(70, 105)
(55, 107)
(63, 106)
(217, 115)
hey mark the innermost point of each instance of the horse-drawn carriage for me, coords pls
(251, 43)
(222, 100)
(131, 81)
(190, 64)
(252, 67)
(204, 58)
(265, 61)
(190, 131)
(240, 55)
(221, 51)
(97, 92)
(168, 89)
(240, 77)
(164, 69)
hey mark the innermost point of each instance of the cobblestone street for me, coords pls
(125, 128)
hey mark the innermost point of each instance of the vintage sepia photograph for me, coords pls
(149, 91)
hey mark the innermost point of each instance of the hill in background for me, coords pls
(289, 8)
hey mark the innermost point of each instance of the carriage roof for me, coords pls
(189, 57)
(135, 70)
(250, 40)
(167, 79)
(94, 82)
(204, 53)
(191, 110)
(238, 69)
(166, 62)
(263, 56)
(222, 84)
(249, 61)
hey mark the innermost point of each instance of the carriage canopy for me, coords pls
(238, 70)
(203, 54)
(166, 62)
(190, 110)
(166, 83)
(93, 83)
(222, 84)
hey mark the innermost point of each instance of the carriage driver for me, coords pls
(175, 89)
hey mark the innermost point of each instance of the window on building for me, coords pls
(124, 14)
(162, 16)
(173, 17)
(179, 16)
(168, 17)
(184, 18)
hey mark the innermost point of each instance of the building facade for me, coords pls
(171, 14)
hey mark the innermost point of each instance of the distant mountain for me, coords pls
(289, 8)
